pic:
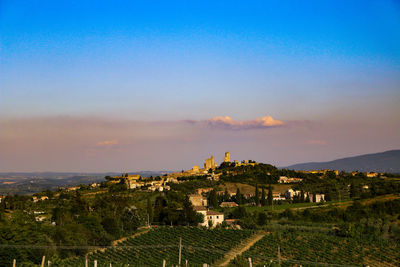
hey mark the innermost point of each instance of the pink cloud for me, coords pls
(107, 143)
(316, 142)
(228, 122)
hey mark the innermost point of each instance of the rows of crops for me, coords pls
(198, 246)
(314, 248)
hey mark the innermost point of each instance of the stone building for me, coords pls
(227, 157)
(198, 200)
(210, 163)
(209, 215)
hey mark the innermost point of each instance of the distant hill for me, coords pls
(32, 182)
(388, 161)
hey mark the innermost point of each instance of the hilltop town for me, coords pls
(232, 195)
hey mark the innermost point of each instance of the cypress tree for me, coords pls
(256, 196)
(150, 210)
(213, 198)
(239, 199)
(270, 196)
(263, 200)
(226, 195)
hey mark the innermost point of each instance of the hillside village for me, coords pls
(285, 189)
(231, 195)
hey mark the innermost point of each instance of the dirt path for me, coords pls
(115, 242)
(242, 247)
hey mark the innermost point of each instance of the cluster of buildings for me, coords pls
(211, 218)
(133, 181)
(290, 194)
(368, 174)
(36, 199)
(322, 172)
(210, 163)
(354, 173)
(287, 180)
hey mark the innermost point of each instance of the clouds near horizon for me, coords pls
(105, 144)
(258, 123)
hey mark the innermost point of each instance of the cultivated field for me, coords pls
(150, 249)
(310, 248)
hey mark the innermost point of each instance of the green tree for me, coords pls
(256, 196)
(301, 200)
(355, 189)
(130, 220)
(188, 212)
(263, 200)
(226, 195)
(212, 198)
(150, 212)
(239, 198)
(111, 225)
(262, 218)
(239, 212)
(270, 195)
(159, 209)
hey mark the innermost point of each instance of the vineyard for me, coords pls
(150, 249)
(319, 249)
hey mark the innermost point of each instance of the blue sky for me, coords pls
(327, 63)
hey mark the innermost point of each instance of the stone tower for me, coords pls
(210, 163)
(227, 157)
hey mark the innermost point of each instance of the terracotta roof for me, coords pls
(211, 212)
(199, 208)
(229, 203)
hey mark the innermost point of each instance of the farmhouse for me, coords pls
(214, 217)
(209, 215)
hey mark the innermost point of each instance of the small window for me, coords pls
(217, 217)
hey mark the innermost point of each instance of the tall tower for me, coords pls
(227, 157)
(210, 163)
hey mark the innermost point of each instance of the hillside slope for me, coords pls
(388, 161)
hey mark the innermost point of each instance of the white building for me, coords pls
(286, 180)
(209, 215)
(318, 198)
(290, 193)
(214, 216)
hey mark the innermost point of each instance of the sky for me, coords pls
(94, 86)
